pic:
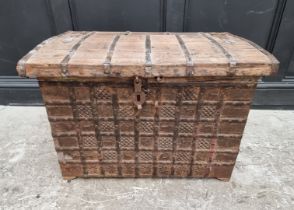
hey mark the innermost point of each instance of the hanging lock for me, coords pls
(139, 95)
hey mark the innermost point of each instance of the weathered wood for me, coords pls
(147, 104)
(117, 54)
(186, 128)
(72, 51)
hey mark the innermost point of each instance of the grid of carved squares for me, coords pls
(145, 154)
(167, 112)
(146, 165)
(180, 170)
(146, 170)
(164, 143)
(59, 108)
(147, 143)
(167, 108)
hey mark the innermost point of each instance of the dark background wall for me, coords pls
(269, 23)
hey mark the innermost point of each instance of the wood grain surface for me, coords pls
(128, 54)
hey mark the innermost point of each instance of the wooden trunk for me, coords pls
(147, 104)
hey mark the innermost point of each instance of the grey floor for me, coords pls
(263, 177)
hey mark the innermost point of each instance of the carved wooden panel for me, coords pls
(186, 128)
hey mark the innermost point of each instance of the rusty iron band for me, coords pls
(275, 66)
(189, 62)
(115, 108)
(107, 62)
(73, 103)
(195, 133)
(97, 122)
(179, 99)
(148, 61)
(66, 59)
(232, 60)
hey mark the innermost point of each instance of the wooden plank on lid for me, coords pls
(245, 58)
(129, 55)
(90, 57)
(167, 56)
(49, 58)
(206, 56)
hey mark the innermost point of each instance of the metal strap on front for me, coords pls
(139, 96)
